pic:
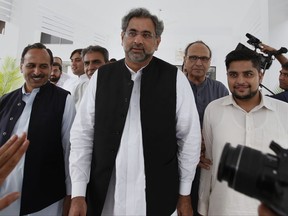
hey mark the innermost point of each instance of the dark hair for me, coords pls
(76, 51)
(246, 55)
(58, 58)
(113, 60)
(285, 66)
(200, 42)
(58, 65)
(96, 48)
(143, 13)
(36, 46)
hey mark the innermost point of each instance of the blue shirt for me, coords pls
(206, 92)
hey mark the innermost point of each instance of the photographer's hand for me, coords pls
(266, 49)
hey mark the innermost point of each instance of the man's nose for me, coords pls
(138, 39)
(37, 70)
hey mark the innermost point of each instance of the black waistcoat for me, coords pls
(158, 121)
(44, 171)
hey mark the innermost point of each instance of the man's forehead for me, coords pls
(141, 24)
(36, 55)
(284, 71)
(93, 56)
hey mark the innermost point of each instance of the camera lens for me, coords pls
(229, 164)
(255, 174)
(246, 170)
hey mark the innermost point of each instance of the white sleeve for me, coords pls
(188, 133)
(81, 137)
(68, 118)
(206, 175)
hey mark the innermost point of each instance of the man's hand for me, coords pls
(204, 162)
(10, 154)
(78, 207)
(266, 49)
(66, 205)
(184, 207)
(265, 211)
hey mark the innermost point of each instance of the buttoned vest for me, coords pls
(44, 171)
(158, 121)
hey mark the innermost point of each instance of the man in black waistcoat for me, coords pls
(45, 112)
(135, 141)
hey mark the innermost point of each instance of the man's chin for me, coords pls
(53, 80)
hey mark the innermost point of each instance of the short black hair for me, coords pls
(246, 55)
(36, 46)
(285, 66)
(76, 51)
(57, 64)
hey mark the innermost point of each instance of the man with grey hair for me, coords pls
(197, 62)
(136, 137)
(93, 57)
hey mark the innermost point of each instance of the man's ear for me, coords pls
(158, 40)
(261, 76)
(21, 65)
(122, 36)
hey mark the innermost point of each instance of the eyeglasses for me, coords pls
(194, 58)
(144, 34)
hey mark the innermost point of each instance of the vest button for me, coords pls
(11, 118)
(4, 133)
(18, 104)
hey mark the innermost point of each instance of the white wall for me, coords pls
(221, 24)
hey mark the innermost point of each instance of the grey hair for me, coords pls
(143, 13)
(96, 48)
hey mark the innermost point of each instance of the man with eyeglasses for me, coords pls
(197, 61)
(136, 137)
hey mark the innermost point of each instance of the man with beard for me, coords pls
(246, 117)
(45, 113)
(136, 137)
(55, 73)
(64, 78)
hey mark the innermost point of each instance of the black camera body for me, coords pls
(258, 175)
(266, 60)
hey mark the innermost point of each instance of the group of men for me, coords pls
(133, 146)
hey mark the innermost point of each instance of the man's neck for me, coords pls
(196, 80)
(250, 103)
(136, 66)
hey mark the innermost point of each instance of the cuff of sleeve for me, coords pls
(79, 189)
(185, 188)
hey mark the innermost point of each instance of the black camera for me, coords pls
(258, 175)
(266, 60)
